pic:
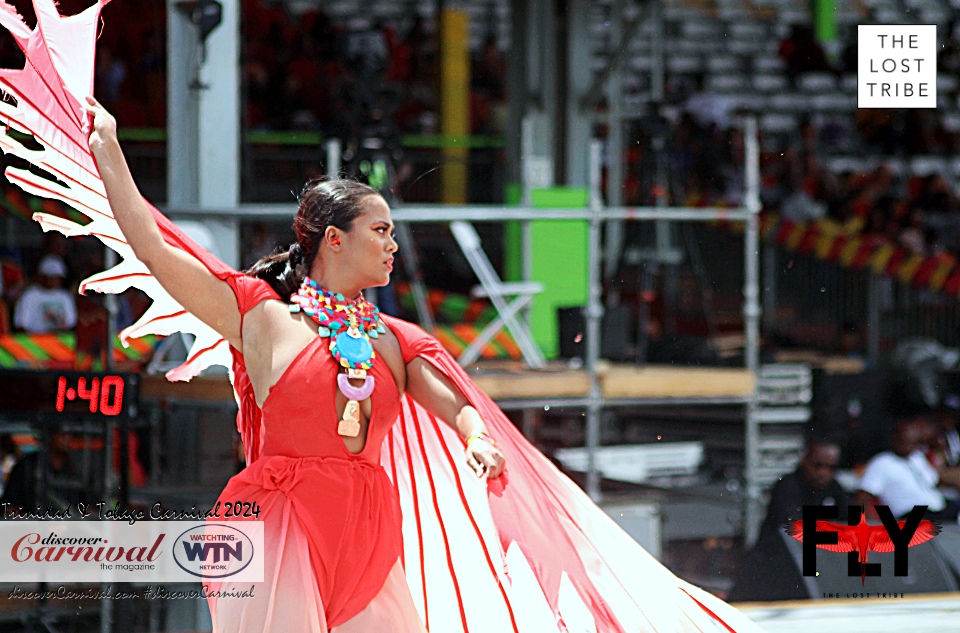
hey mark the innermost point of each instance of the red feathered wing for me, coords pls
(44, 101)
(528, 552)
(925, 531)
(848, 539)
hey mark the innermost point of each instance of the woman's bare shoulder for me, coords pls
(267, 323)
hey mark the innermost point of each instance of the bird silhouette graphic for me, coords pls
(864, 538)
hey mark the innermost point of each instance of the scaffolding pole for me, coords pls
(751, 324)
(489, 213)
(594, 313)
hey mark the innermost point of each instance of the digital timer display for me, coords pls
(110, 399)
(68, 393)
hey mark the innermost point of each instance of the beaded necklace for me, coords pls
(349, 324)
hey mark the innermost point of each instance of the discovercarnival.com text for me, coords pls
(149, 592)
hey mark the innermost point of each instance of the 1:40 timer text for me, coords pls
(105, 396)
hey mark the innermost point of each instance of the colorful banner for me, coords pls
(14, 201)
(58, 351)
(827, 241)
(466, 318)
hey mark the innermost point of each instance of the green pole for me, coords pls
(824, 13)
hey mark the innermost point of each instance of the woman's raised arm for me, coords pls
(186, 279)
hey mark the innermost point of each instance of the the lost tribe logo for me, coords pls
(213, 551)
(897, 66)
(858, 538)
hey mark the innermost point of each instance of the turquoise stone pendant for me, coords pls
(353, 346)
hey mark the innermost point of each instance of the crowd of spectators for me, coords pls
(294, 71)
(802, 53)
(890, 132)
(37, 300)
(39, 291)
(885, 204)
(297, 73)
(293, 68)
(295, 77)
(915, 212)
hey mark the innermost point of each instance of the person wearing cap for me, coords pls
(46, 306)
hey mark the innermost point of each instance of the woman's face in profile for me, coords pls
(369, 245)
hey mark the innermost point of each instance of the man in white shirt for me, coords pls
(46, 306)
(949, 435)
(902, 477)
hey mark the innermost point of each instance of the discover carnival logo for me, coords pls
(213, 551)
(31, 547)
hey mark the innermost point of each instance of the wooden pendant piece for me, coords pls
(348, 428)
(350, 424)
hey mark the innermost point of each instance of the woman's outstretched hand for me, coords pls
(104, 128)
(485, 459)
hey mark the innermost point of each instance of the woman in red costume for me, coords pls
(377, 515)
(332, 516)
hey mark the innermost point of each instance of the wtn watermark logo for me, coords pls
(213, 551)
(858, 538)
(201, 551)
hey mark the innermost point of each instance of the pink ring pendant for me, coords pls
(355, 393)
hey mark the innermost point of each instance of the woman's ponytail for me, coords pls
(283, 270)
(295, 253)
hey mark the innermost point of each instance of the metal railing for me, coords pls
(822, 304)
(271, 162)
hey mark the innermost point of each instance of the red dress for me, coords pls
(305, 478)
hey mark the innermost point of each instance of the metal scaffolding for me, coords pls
(596, 214)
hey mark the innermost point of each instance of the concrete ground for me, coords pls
(930, 612)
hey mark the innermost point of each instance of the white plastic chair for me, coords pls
(508, 298)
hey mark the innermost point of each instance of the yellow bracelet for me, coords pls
(481, 436)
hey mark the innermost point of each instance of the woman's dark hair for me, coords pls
(323, 203)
